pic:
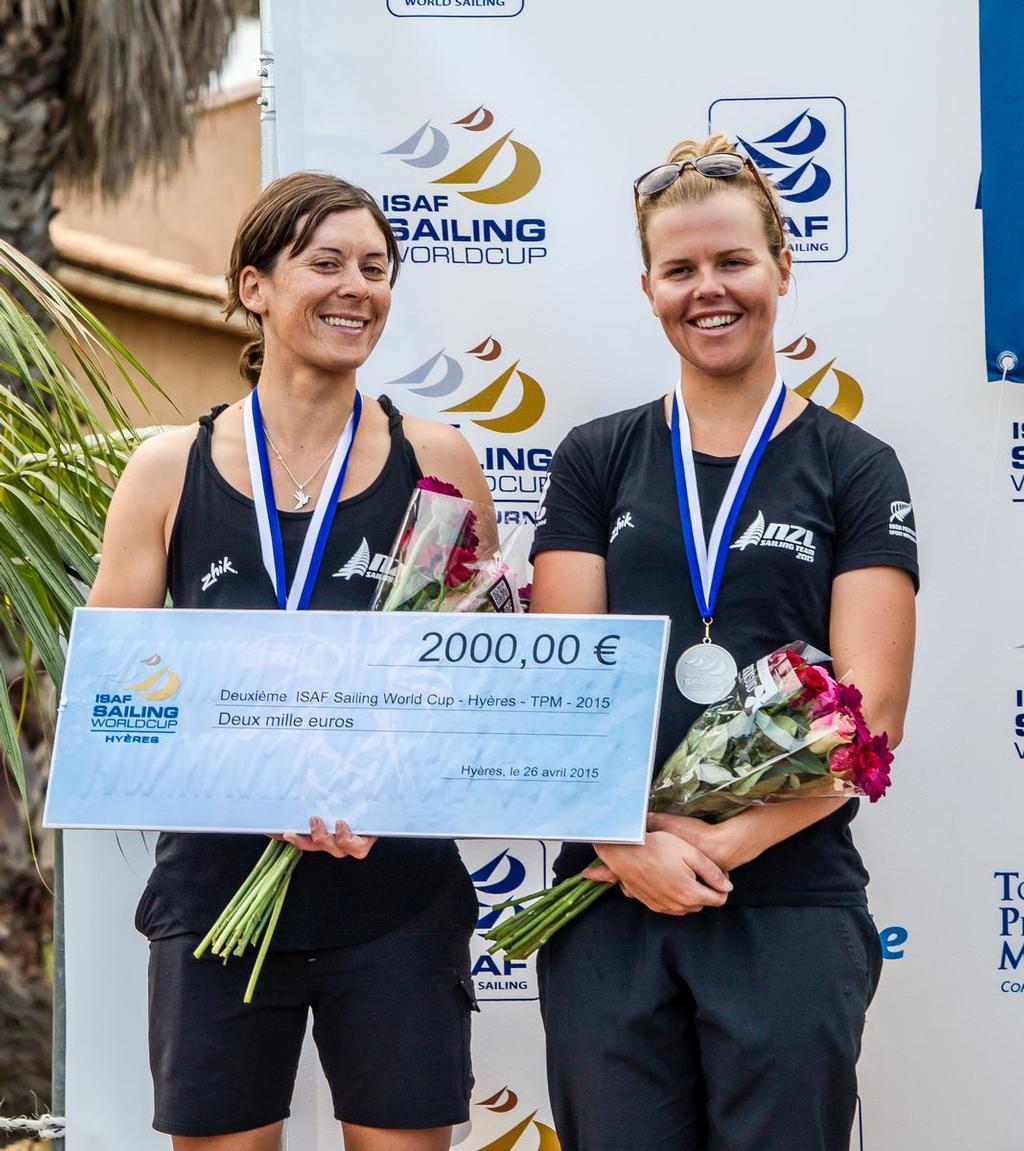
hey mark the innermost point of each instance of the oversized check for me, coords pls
(502, 726)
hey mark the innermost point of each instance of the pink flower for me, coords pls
(865, 764)
(830, 731)
(525, 594)
(433, 484)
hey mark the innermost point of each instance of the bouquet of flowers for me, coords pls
(788, 729)
(440, 563)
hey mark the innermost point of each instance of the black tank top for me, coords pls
(214, 560)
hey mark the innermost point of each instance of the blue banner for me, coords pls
(1002, 185)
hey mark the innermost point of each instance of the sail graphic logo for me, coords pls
(527, 410)
(505, 400)
(526, 1133)
(799, 144)
(466, 9)
(138, 712)
(848, 396)
(499, 876)
(487, 167)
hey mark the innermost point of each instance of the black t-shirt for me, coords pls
(214, 560)
(827, 498)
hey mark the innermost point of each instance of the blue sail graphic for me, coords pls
(813, 140)
(448, 383)
(432, 157)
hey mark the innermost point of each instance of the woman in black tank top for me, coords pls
(373, 936)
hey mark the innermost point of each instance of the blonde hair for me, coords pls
(691, 188)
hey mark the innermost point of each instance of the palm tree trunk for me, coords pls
(34, 50)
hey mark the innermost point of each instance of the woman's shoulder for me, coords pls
(847, 443)
(444, 452)
(160, 460)
(603, 433)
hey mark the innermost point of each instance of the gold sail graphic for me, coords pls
(165, 676)
(849, 396)
(524, 415)
(511, 1137)
(522, 179)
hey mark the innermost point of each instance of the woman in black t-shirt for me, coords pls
(373, 938)
(716, 1001)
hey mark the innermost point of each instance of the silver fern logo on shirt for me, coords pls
(899, 512)
(789, 537)
(380, 567)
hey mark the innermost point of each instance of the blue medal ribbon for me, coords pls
(311, 556)
(706, 561)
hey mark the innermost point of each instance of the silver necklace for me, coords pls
(299, 495)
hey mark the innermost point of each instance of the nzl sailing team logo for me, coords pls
(800, 146)
(441, 375)
(472, 160)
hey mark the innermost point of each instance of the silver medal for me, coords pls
(705, 673)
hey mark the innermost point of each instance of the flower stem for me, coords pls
(269, 933)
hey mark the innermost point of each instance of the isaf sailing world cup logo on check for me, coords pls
(138, 712)
(480, 162)
(799, 144)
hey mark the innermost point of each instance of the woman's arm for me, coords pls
(872, 640)
(662, 872)
(133, 563)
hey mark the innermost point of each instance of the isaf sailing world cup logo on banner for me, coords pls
(465, 176)
(504, 399)
(504, 1106)
(500, 875)
(799, 144)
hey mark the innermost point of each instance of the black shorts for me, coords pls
(735, 1029)
(390, 1020)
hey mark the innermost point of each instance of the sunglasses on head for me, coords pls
(715, 166)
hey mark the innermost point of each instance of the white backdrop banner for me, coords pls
(501, 137)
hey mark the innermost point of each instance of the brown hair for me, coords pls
(285, 215)
(691, 187)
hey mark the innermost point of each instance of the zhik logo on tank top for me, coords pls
(789, 537)
(218, 568)
(381, 567)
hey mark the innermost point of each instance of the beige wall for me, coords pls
(196, 366)
(190, 217)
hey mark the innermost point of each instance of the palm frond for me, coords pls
(136, 71)
(62, 446)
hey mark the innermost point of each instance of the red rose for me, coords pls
(461, 567)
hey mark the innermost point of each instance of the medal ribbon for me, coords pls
(296, 597)
(706, 561)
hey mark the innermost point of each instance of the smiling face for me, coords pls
(715, 286)
(324, 308)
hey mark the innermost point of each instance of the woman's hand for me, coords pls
(343, 844)
(665, 873)
(715, 840)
